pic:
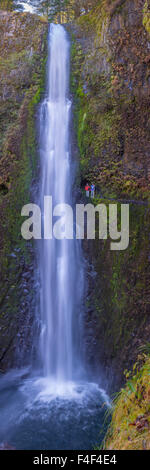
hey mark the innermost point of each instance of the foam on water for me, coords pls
(38, 413)
(55, 408)
(26, 6)
(46, 390)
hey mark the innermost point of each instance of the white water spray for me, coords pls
(58, 409)
(60, 263)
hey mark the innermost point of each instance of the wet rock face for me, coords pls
(114, 94)
(22, 66)
(110, 82)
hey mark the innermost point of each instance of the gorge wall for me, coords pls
(110, 83)
(23, 41)
(110, 79)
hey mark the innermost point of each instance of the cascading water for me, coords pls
(61, 263)
(31, 6)
(55, 399)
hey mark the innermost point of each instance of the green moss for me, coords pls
(6, 4)
(111, 122)
(146, 17)
(108, 140)
(96, 130)
(130, 425)
(119, 298)
(108, 128)
(97, 19)
(23, 71)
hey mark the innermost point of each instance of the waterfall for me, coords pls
(55, 405)
(60, 260)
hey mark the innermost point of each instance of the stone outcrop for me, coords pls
(22, 69)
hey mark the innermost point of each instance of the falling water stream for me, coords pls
(56, 398)
(60, 265)
(28, 6)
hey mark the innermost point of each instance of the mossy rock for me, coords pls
(130, 425)
(22, 66)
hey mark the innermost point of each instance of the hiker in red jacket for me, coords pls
(87, 189)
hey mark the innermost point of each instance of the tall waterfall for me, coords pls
(60, 261)
(59, 408)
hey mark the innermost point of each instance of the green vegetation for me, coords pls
(64, 11)
(6, 5)
(109, 49)
(146, 17)
(119, 298)
(22, 72)
(130, 425)
(22, 65)
(109, 80)
(113, 140)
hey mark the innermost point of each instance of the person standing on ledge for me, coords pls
(87, 190)
(92, 190)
